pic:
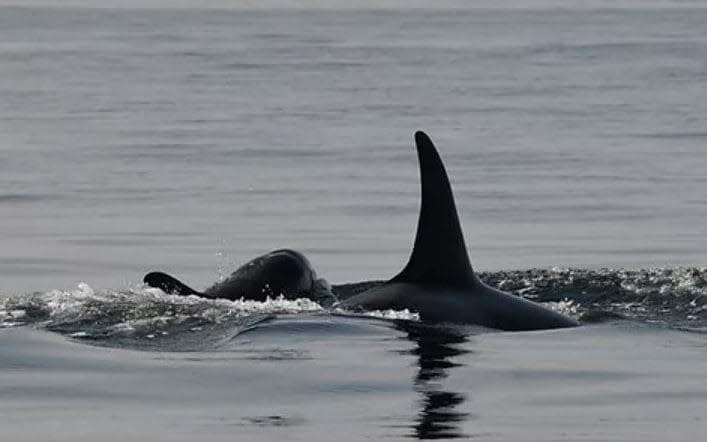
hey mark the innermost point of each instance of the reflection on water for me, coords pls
(436, 347)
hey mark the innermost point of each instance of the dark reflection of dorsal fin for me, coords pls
(439, 255)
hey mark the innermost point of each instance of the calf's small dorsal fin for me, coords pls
(439, 255)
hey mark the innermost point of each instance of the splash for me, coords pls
(84, 312)
(673, 296)
(389, 314)
(669, 295)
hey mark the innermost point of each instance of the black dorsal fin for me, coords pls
(439, 255)
(169, 284)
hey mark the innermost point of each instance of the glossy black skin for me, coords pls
(476, 304)
(438, 282)
(281, 272)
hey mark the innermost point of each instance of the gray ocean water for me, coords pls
(191, 140)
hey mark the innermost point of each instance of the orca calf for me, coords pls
(438, 282)
(281, 272)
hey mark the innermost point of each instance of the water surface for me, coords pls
(191, 140)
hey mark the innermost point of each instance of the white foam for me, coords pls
(567, 307)
(141, 309)
(383, 314)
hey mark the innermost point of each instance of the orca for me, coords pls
(438, 282)
(281, 272)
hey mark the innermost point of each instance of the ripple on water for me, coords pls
(147, 317)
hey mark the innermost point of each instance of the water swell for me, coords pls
(142, 317)
(146, 317)
(668, 295)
